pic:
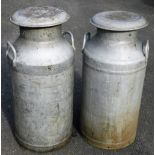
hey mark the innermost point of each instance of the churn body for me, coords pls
(42, 78)
(114, 64)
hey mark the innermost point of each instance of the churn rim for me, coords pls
(118, 21)
(44, 16)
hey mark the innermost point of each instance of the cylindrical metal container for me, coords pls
(42, 78)
(114, 64)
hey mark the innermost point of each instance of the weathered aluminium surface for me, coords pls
(42, 71)
(114, 64)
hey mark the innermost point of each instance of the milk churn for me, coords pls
(41, 62)
(114, 64)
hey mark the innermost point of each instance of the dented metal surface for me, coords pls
(42, 78)
(114, 65)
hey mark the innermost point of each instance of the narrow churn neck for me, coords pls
(40, 23)
(118, 25)
(41, 34)
(123, 36)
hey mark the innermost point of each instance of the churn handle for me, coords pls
(71, 36)
(86, 37)
(9, 45)
(146, 49)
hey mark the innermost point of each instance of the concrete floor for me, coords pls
(80, 11)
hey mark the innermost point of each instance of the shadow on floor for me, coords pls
(77, 101)
(148, 2)
(6, 90)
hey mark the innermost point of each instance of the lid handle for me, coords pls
(13, 50)
(145, 48)
(86, 37)
(71, 36)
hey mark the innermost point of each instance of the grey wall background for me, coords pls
(80, 11)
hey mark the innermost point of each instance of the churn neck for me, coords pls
(118, 25)
(40, 23)
(119, 36)
(41, 33)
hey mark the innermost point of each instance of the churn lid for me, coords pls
(118, 21)
(39, 17)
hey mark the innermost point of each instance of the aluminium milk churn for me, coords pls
(41, 62)
(114, 64)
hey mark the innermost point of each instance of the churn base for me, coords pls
(113, 146)
(42, 149)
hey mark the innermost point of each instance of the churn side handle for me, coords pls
(146, 49)
(87, 37)
(9, 45)
(71, 36)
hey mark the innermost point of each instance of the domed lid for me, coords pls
(118, 21)
(39, 17)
